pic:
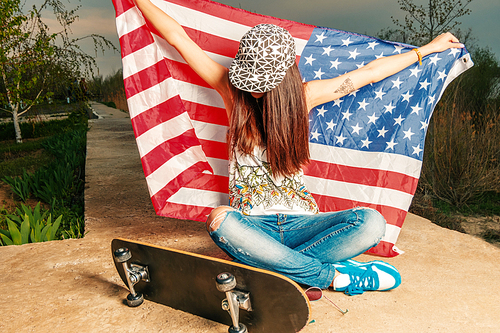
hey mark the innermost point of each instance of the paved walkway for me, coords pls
(451, 281)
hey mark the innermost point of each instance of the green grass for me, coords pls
(29, 156)
(488, 204)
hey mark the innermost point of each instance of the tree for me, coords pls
(461, 156)
(33, 61)
(423, 23)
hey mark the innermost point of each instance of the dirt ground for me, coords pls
(451, 281)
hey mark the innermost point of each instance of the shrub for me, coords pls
(29, 226)
(462, 154)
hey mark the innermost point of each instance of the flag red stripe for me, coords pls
(158, 114)
(363, 176)
(146, 78)
(159, 198)
(384, 249)
(206, 113)
(178, 211)
(182, 72)
(163, 152)
(215, 149)
(240, 16)
(208, 42)
(392, 215)
(208, 182)
(173, 107)
(135, 40)
(215, 44)
(121, 6)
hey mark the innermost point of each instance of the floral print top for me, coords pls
(255, 191)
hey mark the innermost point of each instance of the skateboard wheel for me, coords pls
(225, 282)
(122, 254)
(136, 300)
(241, 329)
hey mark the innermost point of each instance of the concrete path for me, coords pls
(451, 281)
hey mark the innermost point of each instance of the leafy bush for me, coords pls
(462, 155)
(29, 226)
(59, 183)
(21, 186)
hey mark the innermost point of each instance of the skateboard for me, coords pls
(243, 297)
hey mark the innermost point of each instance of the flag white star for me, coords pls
(335, 63)
(434, 59)
(425, 124)
(363, 104)
(379, 94)
(360, 65)
(417, 150)
(337, 102)
(454, 52)
(397, 49)
(354, 54)
(366, 143)
(432, 99)
(391, 144)
(354, 93)
(442, 75)
(372, 118)
(309, 60)
(331, 125)
(399, 120)
(424, 85)
(389, 108)
(372, 45)
(346, 42)
(340, 139)
(320, 38)
(381, 133)
(322, 111)
(315, 135)
(408, 134)
(407, 96)
(346, 115)
(397, 83)
(415, 71)
(327, 50)
(381, 55)
(318, 74)
(416, 109)
(356, 129)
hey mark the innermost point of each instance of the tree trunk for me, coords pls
(15, 119)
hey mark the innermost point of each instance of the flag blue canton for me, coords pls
(390, 116)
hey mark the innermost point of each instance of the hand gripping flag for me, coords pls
(366, 148)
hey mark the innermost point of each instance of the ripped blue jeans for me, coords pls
(301, 247)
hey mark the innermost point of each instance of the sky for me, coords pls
(362, 16)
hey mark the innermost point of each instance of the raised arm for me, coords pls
(212, 72)
(322, 91)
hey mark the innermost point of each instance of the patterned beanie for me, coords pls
(265, 54)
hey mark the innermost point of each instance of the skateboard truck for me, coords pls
(133, 274)
(234, 301)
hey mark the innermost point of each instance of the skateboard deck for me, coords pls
(188, 282)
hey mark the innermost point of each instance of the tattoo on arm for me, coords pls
(346, 87)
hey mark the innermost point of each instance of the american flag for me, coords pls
(366, 148)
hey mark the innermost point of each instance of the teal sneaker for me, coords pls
(357, 277)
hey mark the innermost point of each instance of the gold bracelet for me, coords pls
(419, 55)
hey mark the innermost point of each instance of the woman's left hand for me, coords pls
(441, 43)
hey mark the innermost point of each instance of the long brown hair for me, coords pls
(277, 121)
